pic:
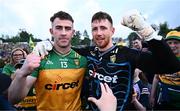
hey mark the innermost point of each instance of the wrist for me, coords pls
(20, 73)
(148, 34)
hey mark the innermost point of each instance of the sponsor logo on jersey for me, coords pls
(63, 59)
(59, 86)
(103, 77)
(49, 62)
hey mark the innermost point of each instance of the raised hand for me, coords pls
(31, 62)
(107, 101)
(134, 20)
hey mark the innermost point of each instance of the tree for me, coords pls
(164, 29)
(86, 41)
(24, 35)
(177, 28)
(76, 39)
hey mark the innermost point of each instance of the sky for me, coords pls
(33, 15)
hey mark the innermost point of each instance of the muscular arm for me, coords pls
(160, 60)
(20, 87)
(22, 82)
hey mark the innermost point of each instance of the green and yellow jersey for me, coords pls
(59, 81)
(9, 69)
(171, 79)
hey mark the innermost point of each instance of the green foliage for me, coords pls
(86, 42)
(85, 34)
(164, 29)
(77, 41)
(22, 36)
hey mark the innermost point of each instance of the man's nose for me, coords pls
(99, 32)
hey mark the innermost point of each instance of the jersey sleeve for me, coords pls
(7, 70)
(159, 60)
(82, 51)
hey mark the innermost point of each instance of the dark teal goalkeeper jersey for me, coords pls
(116, 67)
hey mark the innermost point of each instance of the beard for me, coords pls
(102, 44)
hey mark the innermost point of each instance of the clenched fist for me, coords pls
(135, 21)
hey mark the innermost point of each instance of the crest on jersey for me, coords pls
(76, 61)
(92, 53)
(113, 58)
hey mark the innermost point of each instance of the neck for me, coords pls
(106, 48)
(63, 50)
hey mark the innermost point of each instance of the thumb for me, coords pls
(92, 99)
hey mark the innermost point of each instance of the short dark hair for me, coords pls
(136, 37)
(62, 16)
(102, 15)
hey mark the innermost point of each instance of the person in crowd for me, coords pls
(139, 44)
(165, 93)
(16, 55)
(17, 58)
(141, 83)
(138, 106)
(109, 63)
(58, 77)
(142, 88)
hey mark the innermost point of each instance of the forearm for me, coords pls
(154, 86)
(18, 90)
(138, 105)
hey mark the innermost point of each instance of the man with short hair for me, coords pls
(115, 65)
(58, 77)
(169, 84)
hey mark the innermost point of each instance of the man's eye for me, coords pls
(94, 29)
(59, 27)
(103, 28)
(68, 28)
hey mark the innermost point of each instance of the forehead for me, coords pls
(103, 22)
(135, 41)
(59, 22)
(18, 51)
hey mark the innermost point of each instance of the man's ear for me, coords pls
(73, 32)
(51, 31)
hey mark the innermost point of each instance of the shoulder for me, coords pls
(8, 65)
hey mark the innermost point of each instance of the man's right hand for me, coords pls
(42, 48)
(31, 62)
